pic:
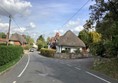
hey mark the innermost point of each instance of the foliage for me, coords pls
(48, 52)
(89, 37)
(39, 47)
(29, 40)
(98, 49)
(63, 51)
(105, 14)
(2, 35)
(7, 65)
(104, 8)
(9, 53)
(27, 47)
(96, 37)
(48, 40)
(108, 67)
(85, 37)
(41, 38)
(41, 42)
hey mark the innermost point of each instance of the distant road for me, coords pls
(38, 69)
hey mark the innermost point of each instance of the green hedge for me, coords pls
(48, 52)
(9, 53)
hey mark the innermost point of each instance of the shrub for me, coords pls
(46, 46)
(27, 47)
(98, 49)
(39, 47)
(48, 52)
(9, 53)
(63, 51)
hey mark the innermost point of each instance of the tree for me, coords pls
(29, 40)
(48, 40)
(104, 8)
(2, 35)
(41, 42)
(105, 14)
(95, 36)
(41, 38)
(85, 37)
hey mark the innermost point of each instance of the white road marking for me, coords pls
(25, 67)
(69, 65)
(98, 77)
(44, 75)
(14, 81)
(77, 68)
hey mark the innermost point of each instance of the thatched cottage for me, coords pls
(70, 42)
(18, 39)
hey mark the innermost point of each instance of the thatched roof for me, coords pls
(17, 37)
(70, 39)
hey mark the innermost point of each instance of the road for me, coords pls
(34, 68)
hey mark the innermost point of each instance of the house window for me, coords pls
(67, 50)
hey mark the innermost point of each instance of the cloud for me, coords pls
(32, 25)
(60, 31)
(78, 28)
(14, 7)
(4, 27)
(51, 10)
(74, 26)
(18, 30)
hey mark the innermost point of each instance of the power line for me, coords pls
(16, 24)
(11, 17)
(75, 13)
(5, 11)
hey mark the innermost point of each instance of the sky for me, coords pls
(43, 17)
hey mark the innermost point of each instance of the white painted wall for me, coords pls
(59, 49)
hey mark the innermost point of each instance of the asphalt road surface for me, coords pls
(34, 68)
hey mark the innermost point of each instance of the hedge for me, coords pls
(48, 52)
(9, 53)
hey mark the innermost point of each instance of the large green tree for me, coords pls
(85, 37)
(41, 42)
(29, 40)
(2, 35)
(105, 15)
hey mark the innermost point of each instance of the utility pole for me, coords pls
(9, 30)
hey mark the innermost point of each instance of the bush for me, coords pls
(98, 49)
(46, 46)
(9, 53)
(107, 66)
(39, 47)
(63, 51)
(48, 52)
(27, 47)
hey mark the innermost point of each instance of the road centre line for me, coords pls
(98, 77)
(24, 67)
(77, 68)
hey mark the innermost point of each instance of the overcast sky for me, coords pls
(46, 17)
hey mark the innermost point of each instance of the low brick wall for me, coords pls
(68, 55)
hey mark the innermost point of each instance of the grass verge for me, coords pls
(108, 67)
(8, 65)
